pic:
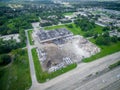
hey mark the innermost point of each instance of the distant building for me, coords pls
(52, 35)
(11, 37)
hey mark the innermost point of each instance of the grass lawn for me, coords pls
(44, 76)
(98, 29)
(54, 27)
(30, 37)
(68, 14)
(75, 30)
(17, 75)
(105, 50)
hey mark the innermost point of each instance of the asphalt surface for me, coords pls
(113, 86)
(102, 81)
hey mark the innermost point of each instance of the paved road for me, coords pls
(102, 81)
(113, 86)
(32, 69)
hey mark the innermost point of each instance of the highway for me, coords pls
(113, 86)
(102, 81)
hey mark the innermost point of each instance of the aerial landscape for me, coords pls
(59, 44)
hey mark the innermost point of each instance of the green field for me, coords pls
(17, 75)
(75, 30)
(68, 14)
(54, 27)
(44, 76)
(30, 37)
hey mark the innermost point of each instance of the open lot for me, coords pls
(52, 56)
(55, 53)
(43, 76)
(105, 50)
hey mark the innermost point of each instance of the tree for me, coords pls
(114, 39)
(7, 46)
(22, 37)
(70, 26)
(106, 29)
(89, 33)
(95, 35)
(106, 34)
(103, 40)
(4, 59)
(85, 24)
(118, 29)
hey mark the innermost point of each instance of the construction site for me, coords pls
(58, 48)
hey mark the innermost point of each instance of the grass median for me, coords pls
(112, 66)
(44, 76)
(30, 37)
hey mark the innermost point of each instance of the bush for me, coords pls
(4, 59)
(103, 40)
(114, 65)
(114, 39)
(106, 29)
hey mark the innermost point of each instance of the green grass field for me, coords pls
(44, 76)
(54, 27)
(30, 37)
(17, 75)
(98, 29)
(68, 14)
(75, 30)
